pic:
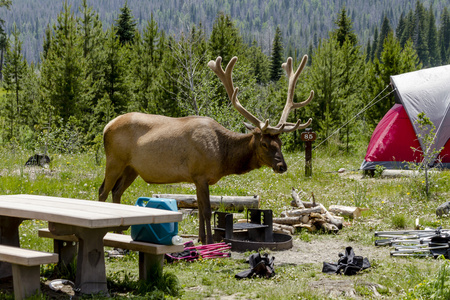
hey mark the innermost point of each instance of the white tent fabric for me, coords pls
(427, 91)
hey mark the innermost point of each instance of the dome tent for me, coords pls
(398, 134)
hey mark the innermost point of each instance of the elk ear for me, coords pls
(249, 126)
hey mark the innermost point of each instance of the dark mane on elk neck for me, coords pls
(194, 149)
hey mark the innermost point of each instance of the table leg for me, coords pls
(91, 274)
(150, 266)
(9, 235)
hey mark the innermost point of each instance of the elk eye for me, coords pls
(265, 145)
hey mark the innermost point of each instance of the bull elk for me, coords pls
(194, 149)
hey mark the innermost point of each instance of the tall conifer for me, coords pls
(344, 31)
(276, 57)
(14, 72)
(125, 25)
(444, 37)
(434, 55)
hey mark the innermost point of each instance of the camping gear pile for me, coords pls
(260, 266)
(428, 242)
(348, 264)
(192, 252)
(398, 133)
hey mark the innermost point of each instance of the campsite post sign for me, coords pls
(308, 136)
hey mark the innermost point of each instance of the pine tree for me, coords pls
(47, 42)
(276, 58)
(3, 36)
(62, 71)
(393, 61)
(260, 64)
(401, 27)
(166, 102)
(368, 51)
(374, 45)
(385, 30)
(125, 25)
(444, 37)
(14, 72)
(433, 48)
(92, 40)
(144, 64)
(324, 77)
(7, 5)
(344, 31)
(351, 86)
(420, 33)
(3, 46)
(408, 31)
(225, 40)
(115, 85)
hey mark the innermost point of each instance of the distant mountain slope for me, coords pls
(303, 22)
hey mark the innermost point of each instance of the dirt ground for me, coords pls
(318, 251)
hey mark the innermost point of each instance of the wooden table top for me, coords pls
(82, 213)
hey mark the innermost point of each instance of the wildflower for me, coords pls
(407, 193)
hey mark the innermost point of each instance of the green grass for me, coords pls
(393, 203)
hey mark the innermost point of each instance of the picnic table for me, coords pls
(88, 220)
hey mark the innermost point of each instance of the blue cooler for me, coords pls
(156, 233)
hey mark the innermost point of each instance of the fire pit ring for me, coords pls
(242, 244)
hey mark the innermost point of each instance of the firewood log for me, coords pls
(297, 199)
(305, 219)
(298, 202)
(288, 228)
(310, 227)
(330, 218)
(328, 227)
(350, 211)
(279, 230)
(238, 203)
(304, 211)
(287, 220)
(317, 216)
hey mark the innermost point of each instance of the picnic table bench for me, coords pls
(26, 268)
(88, 220)
(150, 255)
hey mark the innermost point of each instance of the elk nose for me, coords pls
(281, 168)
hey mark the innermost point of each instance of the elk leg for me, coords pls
(112, 174)
(127, 178)
(204, 213)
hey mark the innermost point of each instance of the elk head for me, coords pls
(267, 141)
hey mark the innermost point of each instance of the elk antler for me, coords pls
(282, 126)
(225, 77)
(293, 77)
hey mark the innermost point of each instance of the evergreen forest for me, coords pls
(86, 65)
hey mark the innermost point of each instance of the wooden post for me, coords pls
(308, 136)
